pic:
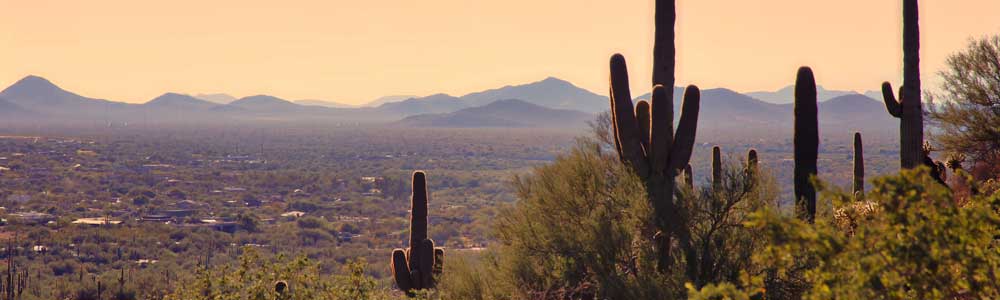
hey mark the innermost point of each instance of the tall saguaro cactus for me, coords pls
(908, 108)
(418, 266)
(806, 142)
(649, 145)
(859, 166)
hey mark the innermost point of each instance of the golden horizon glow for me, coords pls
(355, 51)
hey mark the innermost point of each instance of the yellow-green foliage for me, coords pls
(919, 244)
(256, 277)
(574, 226)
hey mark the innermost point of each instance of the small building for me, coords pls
(177, 213)
(293, 214)
(97, 221)
(155, 218)
(33, 218)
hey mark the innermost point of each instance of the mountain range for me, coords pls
(502, 113)
(550, 102)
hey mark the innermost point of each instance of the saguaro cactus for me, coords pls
(859, 166)
(649, 145)
(751, 169)
(716, 167)
(417, 267)
(909, 108)
(806, 142)
(658, 156)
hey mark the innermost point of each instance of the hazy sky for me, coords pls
(354, 51)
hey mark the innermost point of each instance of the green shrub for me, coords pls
(583, 228)
(909, 240)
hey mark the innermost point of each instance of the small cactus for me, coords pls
(417, 267)
(751, 168)
(806, 142)
(716, 168)
(954, 161)
(859, 166)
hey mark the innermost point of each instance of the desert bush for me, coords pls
(582, 228)
(917, 244)
(257, 277)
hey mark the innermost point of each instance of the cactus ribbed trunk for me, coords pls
(909, 108)
(417, 266)
(647, 142)
(859, 166)
(806, 142)
(716, 168)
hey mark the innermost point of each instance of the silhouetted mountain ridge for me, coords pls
(38, 94)
(502, 113)
(787, 94)
(720, 108)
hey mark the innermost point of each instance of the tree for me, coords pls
(969, 116)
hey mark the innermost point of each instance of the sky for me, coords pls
(355, 51)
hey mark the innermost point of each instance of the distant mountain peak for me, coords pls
(262, 98)
(502, 113)
(550, 92)
(553, 79)
(32, 84)
(179, 101)
(220, 98)
(265, 103)
(172, 94)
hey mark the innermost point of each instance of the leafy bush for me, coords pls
(260, 278)
(582, 229)
(917, 243)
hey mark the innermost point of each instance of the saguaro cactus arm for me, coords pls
(626, 127)
(891, 104)
(662, 128)
(642, 118)
(687, 128)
